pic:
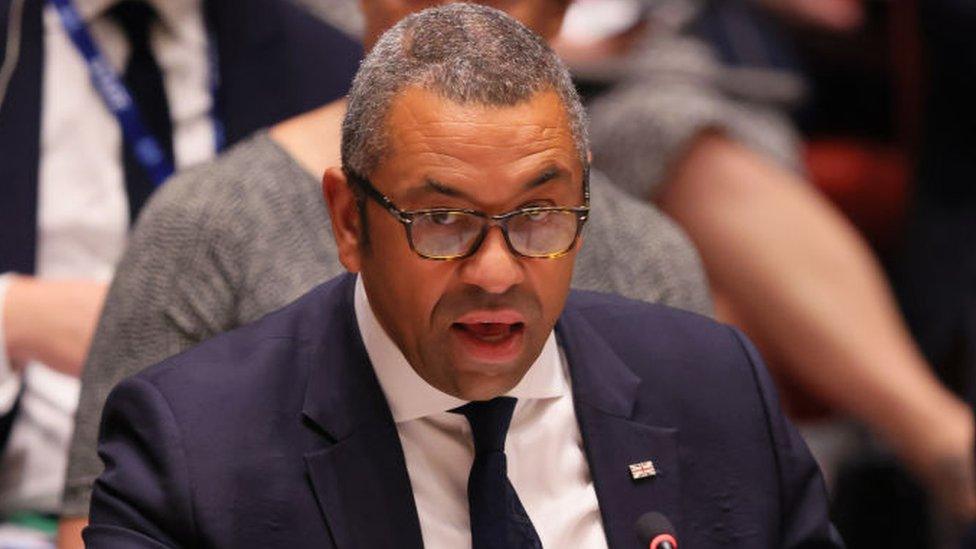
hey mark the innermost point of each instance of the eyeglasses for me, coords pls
(455, 233)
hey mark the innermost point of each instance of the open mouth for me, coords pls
(490, 332)
(490, 341)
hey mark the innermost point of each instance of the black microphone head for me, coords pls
(651, 525)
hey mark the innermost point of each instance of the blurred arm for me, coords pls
(801, 281)
(69, 532)
(50, 321)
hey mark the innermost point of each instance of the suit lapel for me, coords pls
(20, 140)
(360, 479)
(605, 393)
(363, 491)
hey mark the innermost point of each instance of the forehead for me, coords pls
(476, 147)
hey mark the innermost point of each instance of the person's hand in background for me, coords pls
(69, 532)
(51, 321)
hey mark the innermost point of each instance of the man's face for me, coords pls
(470, 327)
(543, 16)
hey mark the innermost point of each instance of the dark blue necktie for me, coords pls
(144, 79)
(498, 520)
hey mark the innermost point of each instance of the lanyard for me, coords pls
(119, 101)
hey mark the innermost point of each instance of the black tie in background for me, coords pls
(498, 520)
(145, 82)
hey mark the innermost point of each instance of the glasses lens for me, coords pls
(542, 233)
(441, 235)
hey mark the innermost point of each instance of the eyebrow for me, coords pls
(433, 186)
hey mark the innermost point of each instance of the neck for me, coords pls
(313, 138)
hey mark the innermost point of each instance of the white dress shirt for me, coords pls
(546, 462)
(83, 216)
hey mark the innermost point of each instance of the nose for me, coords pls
(493, 267)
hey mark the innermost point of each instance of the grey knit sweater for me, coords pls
(675, 89)
(225, 243)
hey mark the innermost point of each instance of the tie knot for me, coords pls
(134, 16)
(489, 420)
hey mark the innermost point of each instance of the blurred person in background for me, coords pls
(305, 142)
(935, 272)
(225, 243)
(695, 118)
(100, 100)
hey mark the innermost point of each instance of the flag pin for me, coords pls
(644, 469)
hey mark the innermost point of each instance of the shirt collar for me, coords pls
(410, 397)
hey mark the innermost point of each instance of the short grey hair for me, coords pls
(465, 53)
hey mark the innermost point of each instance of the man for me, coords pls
(196, 75)
(221, 245)
(370, 413)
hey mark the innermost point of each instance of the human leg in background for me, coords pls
(804, 285)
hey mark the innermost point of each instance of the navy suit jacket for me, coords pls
(275, 61)
(278, 435)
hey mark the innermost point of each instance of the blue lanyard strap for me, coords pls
(118, 100)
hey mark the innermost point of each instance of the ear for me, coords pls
(345, 218)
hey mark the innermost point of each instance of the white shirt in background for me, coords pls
(83, 217)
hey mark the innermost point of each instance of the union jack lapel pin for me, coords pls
(644, 469)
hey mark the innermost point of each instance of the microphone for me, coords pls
(655, 531)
